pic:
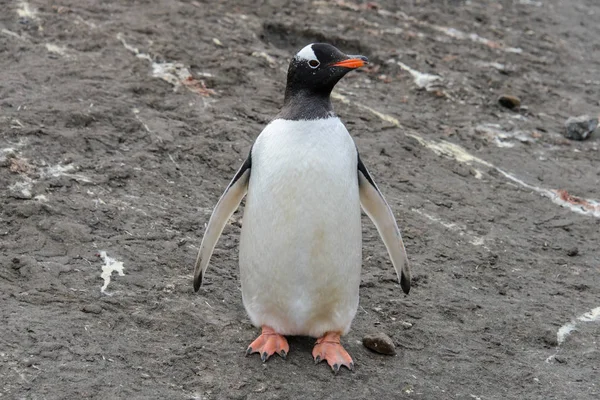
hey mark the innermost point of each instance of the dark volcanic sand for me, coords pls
(96, 154)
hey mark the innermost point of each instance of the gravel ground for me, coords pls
(121, 123)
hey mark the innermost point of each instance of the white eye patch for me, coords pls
(307, 54)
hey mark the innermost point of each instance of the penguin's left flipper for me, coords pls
(228, 203)
(379, 211)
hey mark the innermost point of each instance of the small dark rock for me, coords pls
(572, 252)
(92, 309)
(461, 170)
(16, 264)
(79, 120)
(379, 342)
(549, 338)
(580, 128)
(29, 362)
(510, 102)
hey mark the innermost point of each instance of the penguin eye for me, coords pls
(314, 63)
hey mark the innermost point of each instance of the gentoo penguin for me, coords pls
(301, 246)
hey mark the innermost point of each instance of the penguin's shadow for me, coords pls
(301, 344)
(300, 351)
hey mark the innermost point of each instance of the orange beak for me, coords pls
(351, 63)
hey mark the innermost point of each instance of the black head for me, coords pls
(312, 74)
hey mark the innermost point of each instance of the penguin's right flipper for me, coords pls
(228, 203)
(379, 211)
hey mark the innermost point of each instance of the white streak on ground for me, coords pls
(460, 35)
(25, 11)
(261, 54)
(136, 112)
(7, 153)
(132, 49)
(487, 64)
(448, 31)
(457, 34)
(88, 23)
(531, 3)
(501, 137)
(174, 73)
(556, 196)
(564, 331)
(428, 82)
(110, 265)
(63, 170)
(53, 48)
(591, 316)
(177, 74)
(13, 34)
(473, 238)
(449, 225)
(24, 188)
(19, 189)
(590, 207)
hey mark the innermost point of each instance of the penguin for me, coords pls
(300, 251)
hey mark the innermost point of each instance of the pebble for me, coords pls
(406, 325)
(30, 361)
(580, 128)
(549, 338)
(16, 263)
(379, 342)
(572, 252)
(510, 102)
(92, 309)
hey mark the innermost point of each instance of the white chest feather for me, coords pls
(300, 249)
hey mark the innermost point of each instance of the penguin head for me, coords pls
(318, 67)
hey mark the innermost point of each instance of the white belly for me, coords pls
(301, 245)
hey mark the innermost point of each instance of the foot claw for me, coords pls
(269, 343)
(329, 348)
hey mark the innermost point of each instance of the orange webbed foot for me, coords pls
(269, 343)
(328, 348)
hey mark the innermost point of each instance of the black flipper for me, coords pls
(375, 206)
(228, 203)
